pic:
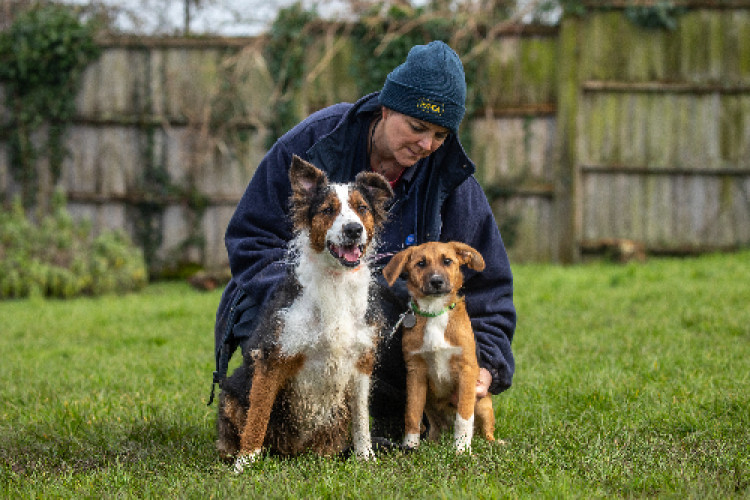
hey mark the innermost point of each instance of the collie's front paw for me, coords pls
(365, 453)
(243, 461)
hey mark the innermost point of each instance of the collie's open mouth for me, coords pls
(348, 255)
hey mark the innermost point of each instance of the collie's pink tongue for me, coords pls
(352, 254)
(349, 254)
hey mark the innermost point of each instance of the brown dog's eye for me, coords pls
(447, 261)
(422, 263)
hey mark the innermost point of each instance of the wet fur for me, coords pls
(306, 387)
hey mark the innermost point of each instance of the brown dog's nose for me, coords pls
(436, 283)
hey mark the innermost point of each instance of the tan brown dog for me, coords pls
(438, 344)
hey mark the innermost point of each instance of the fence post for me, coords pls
(566, 179)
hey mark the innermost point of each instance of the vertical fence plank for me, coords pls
(568, 180)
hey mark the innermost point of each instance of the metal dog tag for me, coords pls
(409, 320)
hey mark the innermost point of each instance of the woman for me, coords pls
(408, 132)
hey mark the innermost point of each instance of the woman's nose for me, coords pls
(426, 142)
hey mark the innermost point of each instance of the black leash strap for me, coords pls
(222, 365)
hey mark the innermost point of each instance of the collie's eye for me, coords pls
(327, 210)
(363, 209)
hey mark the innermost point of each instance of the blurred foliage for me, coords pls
(569, 7)
(42, 56)
(384, 40)
(57, 257)
(285, 52)
(661, 15)
(658, 14)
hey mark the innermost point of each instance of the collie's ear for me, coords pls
(377, 191)
(469, 256)
(375, 186)
(395, 266)
(305, 177)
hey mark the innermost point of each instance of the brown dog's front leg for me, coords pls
(416, 396)
(484, 418)
(464, 425)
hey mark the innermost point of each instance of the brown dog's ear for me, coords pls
(393, 269)
(305, 177)
(469, 256)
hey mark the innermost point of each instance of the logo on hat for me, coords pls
(429, 106)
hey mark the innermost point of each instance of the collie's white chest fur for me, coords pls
(329, 315)
(327, 325)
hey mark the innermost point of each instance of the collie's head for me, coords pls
(339, 220)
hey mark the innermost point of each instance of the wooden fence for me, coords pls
(661, 153)
(597, 130)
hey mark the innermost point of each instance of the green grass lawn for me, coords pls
(631, 381)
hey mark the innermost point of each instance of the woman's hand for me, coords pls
(483, 384)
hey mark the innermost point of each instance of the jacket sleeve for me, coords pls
(257, 235)
(467, 217)
(259, 231)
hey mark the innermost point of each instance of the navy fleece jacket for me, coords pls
(437, 199)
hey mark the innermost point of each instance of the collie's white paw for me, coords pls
(365, 453)
(243, 461)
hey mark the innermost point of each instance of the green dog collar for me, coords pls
(426, 314)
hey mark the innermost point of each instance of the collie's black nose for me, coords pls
(352, 231)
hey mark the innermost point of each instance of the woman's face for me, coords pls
(410, 139)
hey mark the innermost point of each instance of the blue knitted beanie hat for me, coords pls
(430, 86)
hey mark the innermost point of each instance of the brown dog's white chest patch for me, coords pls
(437, 352)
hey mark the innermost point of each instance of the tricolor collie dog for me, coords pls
(438, 344)
(306, 387)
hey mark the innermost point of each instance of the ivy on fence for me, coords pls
(42, 57)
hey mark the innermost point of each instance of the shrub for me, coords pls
(58, 257)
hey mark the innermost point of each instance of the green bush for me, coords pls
(58, 257)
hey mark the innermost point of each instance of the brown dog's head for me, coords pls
(433, 269)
